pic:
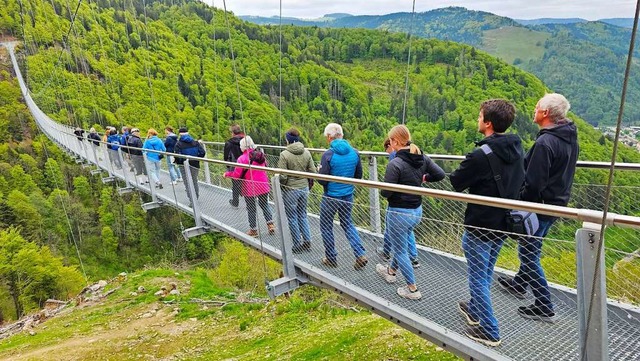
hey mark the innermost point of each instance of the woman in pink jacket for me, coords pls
(255, 184)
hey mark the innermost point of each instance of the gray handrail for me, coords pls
(580, 214)
(447, 157)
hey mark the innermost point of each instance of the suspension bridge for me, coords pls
(609, 328)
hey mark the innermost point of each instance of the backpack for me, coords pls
(201, 150)
(258, 157)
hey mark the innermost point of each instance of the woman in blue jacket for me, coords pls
(154, 143)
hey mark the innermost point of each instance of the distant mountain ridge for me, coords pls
(583, 59)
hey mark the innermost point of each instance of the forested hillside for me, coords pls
(584, 60)
(39, 187)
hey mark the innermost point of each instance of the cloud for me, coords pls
(518, 9)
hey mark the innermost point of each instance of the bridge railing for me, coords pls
(440, 231)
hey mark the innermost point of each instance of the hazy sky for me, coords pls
(518, 9)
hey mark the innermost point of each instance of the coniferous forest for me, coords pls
(183, 63)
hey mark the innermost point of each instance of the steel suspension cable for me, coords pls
(280, 79)
(215, 73)
(235, 74)
(64, 42)
(614, 154)
(406, 80)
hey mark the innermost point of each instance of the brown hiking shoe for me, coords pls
(329, 263)
(360, 263)
(253, 232)
(272, 228)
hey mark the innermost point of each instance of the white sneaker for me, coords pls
(383, 271)
(179, 179)
(174, 182)
(408, 294)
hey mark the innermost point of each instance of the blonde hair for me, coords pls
(151, 132)
(400, 133)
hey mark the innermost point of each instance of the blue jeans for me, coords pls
(173, 170)
(531, 273)
(295, 206)
(386, 246)
(481, 258)
(154, 171)
(343, 206)
(400, 225)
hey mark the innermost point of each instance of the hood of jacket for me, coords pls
(187, 138)
(236, 139)
(340, 146)
(565, 130)
(414, 160)
(296, 148)
(507, 147)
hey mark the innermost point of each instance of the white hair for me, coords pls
(556, 104)
(247, 143)
(333, 130)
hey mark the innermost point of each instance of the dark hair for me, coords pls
(235, 129)
(293, 131)
(386, 143)
(498, 112)
(113, 132)
(169, 128)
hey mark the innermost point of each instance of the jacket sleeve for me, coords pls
(358, 173)
(237, 171)
(325, 166)
(467, 173)
(282, 164)
(227, 150)
(432, 171)
(311, 165)
(537, 175)
(391, 175)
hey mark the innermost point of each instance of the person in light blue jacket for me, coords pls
(154, 143)
(343, 161)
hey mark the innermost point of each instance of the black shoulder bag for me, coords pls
(519, 222)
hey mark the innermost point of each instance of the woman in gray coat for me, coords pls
(296, 190)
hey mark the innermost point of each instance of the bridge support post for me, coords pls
(289, 281)
(128, 188)
(200, 228)
(155, 203)
(593, 330)
(374, 197)
(207, 174)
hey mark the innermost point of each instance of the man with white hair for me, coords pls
(550, 166)
(343, 161)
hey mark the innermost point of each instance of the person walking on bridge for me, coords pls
(188, 146)
(484, 225)
(255, 185)
(343, 161)
(135, 153)
(409, 167)
(232, 152)
(550, 166)
(170, 143)
(154, 143)
(296, 190)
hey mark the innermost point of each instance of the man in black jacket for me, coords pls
(550, 166)
(135, 152)
(484, 225)
(231, 153)
(188, 146)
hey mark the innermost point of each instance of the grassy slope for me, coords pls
(307, 326)
(509, 43)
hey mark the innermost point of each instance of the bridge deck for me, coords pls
(442, 279)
